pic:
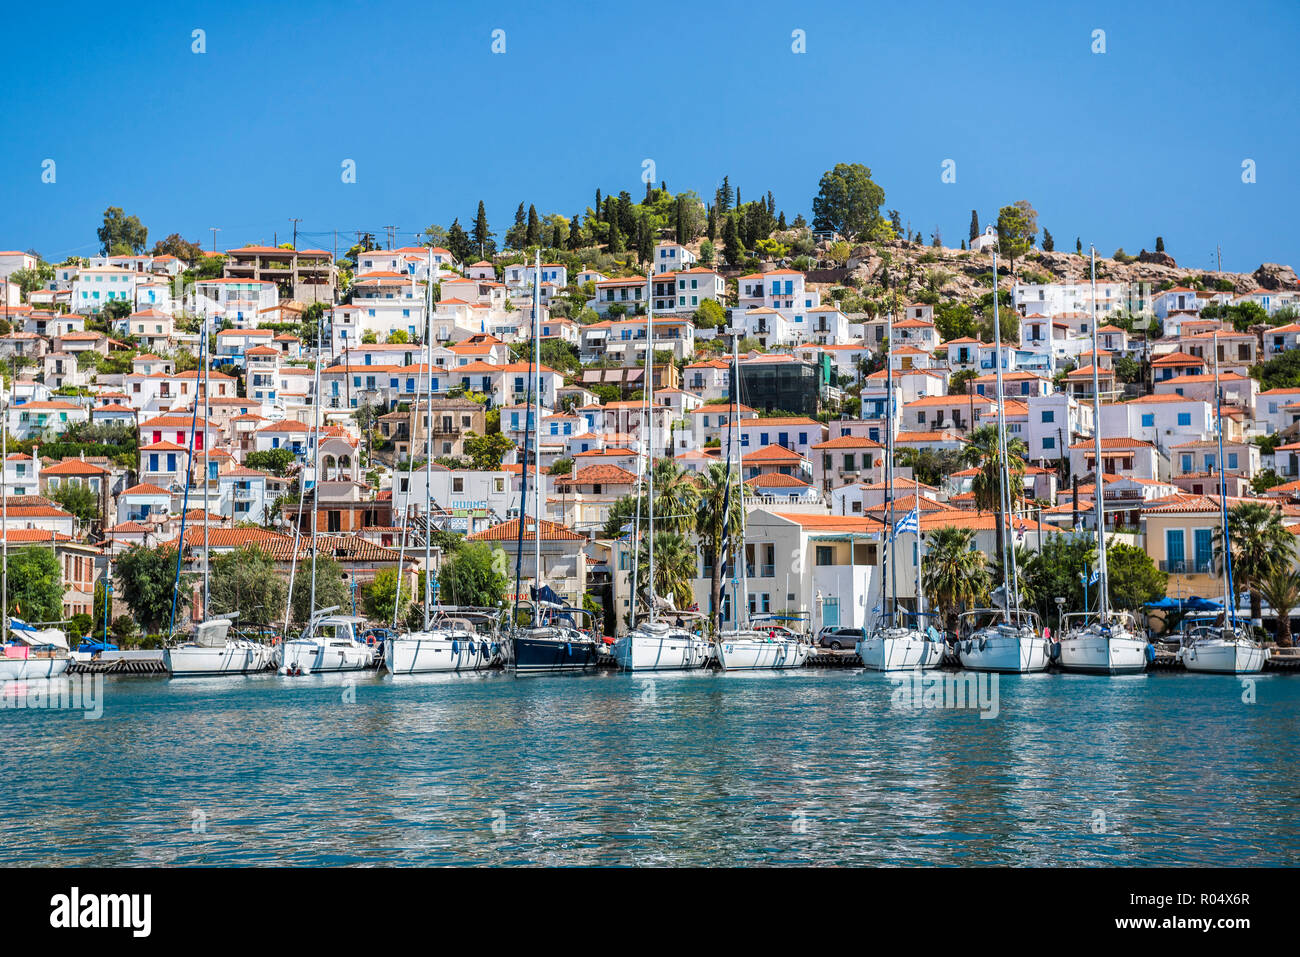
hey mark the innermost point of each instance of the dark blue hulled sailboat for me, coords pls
(551, 642)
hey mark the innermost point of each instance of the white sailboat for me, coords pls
(443, 643)
(33, 652)
(1008, 638)
(1229, 648)
(891, 645)
(328, 642)
(745, 647)
(654, 645)
(211, 650)
(1106, 642)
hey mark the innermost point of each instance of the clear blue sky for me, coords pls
(1145, 139)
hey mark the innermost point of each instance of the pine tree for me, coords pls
(614, 244)
(575, 232)
(974, 225)
(1160, 244)
(1049, 245)
(780, 223)
(799, 222)
(723, 198)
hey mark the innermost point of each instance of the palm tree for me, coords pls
(715, 501)
(677, 497)
(1259, 540)
(1281, 589)
(674, 568)
(953, 572)
(983, 450)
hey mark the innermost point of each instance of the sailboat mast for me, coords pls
(537, 424)
(4, 518)
(315, 470)
(1103, 593)
(892, 567)
(920, 600)
(1005, 498)
(1229, 600)
(742, 562)
(207, 563)
(428, 438)
(648, 401)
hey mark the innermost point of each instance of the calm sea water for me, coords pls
(812, 767)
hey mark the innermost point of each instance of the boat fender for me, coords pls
(968, 646)
(455, 647)
(1053, 650)
(983, 642)
(1150, 652)
(483, 649)
(568, 649)
(496, 649)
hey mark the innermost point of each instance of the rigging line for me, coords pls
(185, 500)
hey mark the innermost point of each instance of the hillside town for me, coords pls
(290, 398)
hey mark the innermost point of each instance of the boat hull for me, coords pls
(1224, 657)
(429, 654)
(1003, 653)
(310, 657)
(670, 652)
(34, 667)
(1099, 655)
(551, 655)
(899, 654)
(758, 654)
(241, 658)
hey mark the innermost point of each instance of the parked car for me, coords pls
(838, 638)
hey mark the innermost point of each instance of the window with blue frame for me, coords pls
(1049, 415)
(1204, 544)
(1184, 418)
(1174, 553)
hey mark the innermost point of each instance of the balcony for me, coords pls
(1200, 566)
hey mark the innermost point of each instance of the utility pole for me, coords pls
(1219, 257)
(391, 231)
(295, 231)
(215, 230)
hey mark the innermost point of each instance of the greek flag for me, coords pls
(1090, 579)
(911, 522)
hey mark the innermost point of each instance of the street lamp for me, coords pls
(1060, 612)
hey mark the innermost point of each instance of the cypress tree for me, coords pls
(731, 247)
(534, 233)
(974, 224)
(482, 234)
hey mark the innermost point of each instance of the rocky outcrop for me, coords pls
(1275, 276)
(1160, 259)
(910, 265)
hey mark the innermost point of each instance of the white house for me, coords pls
(672, 257)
